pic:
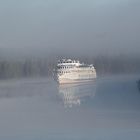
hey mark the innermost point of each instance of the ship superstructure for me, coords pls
(71, 71)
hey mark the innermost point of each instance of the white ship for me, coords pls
(72, 71)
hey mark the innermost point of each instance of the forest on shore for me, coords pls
(44, 67)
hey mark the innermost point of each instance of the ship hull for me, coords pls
(71, 81)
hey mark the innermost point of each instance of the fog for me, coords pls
(76, 27)
(34, 34)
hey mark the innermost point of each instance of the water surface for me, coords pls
(39, 109)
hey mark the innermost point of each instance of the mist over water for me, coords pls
(34, 34)
(40, 109)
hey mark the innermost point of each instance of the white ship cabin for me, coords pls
(64, 65)
(68, 62)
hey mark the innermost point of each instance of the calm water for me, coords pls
(39, 109)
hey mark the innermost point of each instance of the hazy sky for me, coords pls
(92, 26)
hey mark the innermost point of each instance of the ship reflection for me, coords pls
(76, 94)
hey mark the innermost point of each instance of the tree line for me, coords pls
(27, 68)
(44, 67)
